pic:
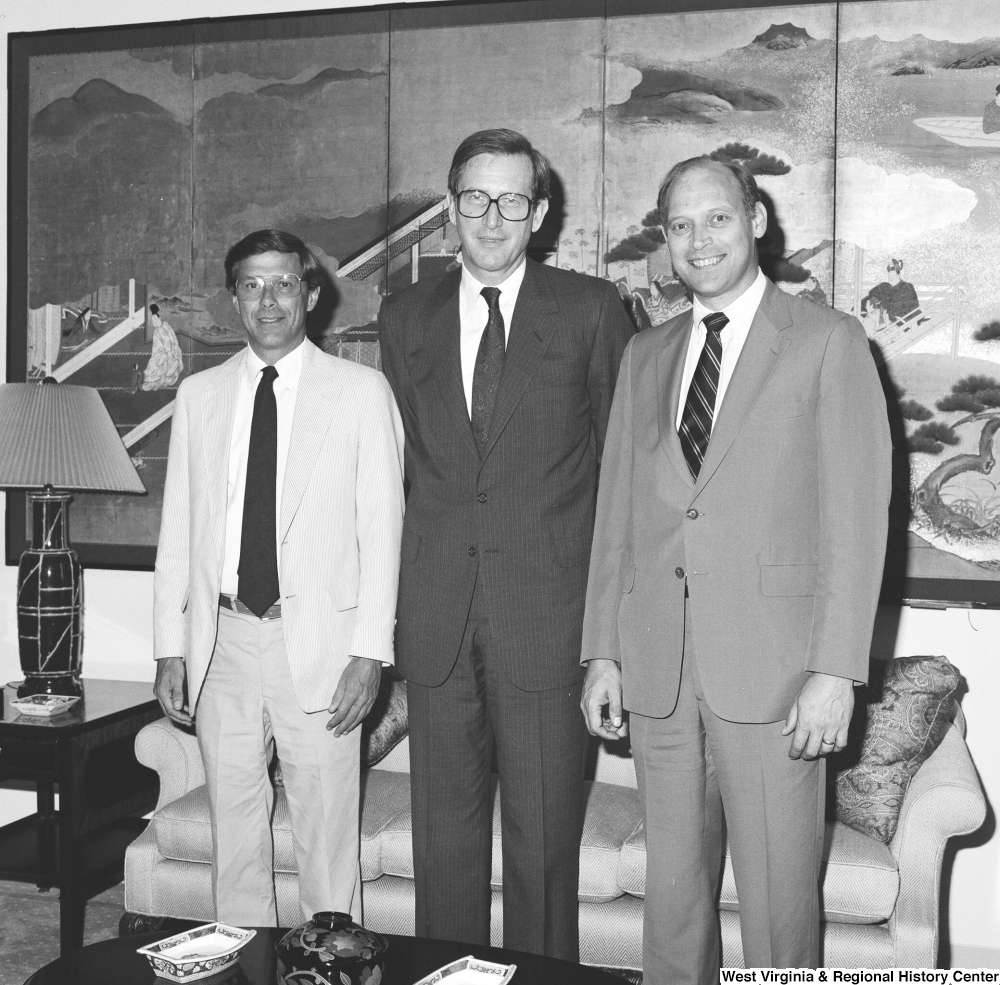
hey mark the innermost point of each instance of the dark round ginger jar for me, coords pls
(331, 949)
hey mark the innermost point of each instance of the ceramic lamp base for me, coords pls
(50, 601)
(67, 684)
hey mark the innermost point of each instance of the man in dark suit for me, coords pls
(735, 573)
(504, 373)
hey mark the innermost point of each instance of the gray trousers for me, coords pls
(692, 767)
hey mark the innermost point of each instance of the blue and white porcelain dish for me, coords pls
(199, 953)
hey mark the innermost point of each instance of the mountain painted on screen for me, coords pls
(668, 93)
(293, 155)
(93, 103)
(918, 55)
(781, 37)
(282, 60)
(297, 92)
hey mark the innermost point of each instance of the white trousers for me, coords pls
(247, 701)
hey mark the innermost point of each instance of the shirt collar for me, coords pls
(739, 311)
(471, 288)
(289, 367)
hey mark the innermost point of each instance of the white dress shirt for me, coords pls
(740, 314)
(475, 312)
(286, 388)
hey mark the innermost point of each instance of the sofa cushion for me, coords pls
(384, 795)
(612, 816)
(397, 841)
(860, 877)
(906, 715)
(183, 830)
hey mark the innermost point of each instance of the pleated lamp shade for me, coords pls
(63, 436)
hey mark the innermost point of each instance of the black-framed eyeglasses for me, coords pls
(283, 286)
(514, 207)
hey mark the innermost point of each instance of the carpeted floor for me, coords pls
(29, 926)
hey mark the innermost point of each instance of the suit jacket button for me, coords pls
(482, 497)
(679, 572)
(692, 514)
(472, 552)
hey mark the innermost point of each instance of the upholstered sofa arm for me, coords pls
(944, 799)
(174, 754)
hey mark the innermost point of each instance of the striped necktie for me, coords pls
(696, 421)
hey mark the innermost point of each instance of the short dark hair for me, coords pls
(749, 193)
(501, 141)
(272, 241)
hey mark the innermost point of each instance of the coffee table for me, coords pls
(408, 960)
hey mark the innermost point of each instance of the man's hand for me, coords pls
(355, 694)
(602, 687)
(820, 716)
(169, 689)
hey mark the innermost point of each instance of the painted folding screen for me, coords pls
(144, 153)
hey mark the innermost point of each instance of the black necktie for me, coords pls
(489, 365)
(696, 421)
(258, 571)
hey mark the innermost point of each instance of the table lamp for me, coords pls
(55, 438)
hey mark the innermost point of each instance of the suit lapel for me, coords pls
(765, 344)
(442, 327)
(669, 370)
(218, 410)
(532, 326)
(314, 406)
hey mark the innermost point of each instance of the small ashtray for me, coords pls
(199, 953)
(45, 705)
(471, 971)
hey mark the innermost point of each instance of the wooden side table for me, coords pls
(88, 754)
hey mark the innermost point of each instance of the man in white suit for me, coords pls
(275, 585)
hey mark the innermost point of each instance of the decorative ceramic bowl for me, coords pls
(331, 949)
(44, 705)
(471, 971)
(199, 953)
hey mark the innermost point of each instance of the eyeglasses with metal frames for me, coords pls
(474, 203)
(283, 286)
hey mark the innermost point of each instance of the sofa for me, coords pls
(881, 901)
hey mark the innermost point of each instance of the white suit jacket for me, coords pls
(340, 523)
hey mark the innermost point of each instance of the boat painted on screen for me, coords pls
(966, 131)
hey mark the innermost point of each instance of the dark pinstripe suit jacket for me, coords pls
(522, 515)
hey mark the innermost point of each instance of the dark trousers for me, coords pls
(539, 740)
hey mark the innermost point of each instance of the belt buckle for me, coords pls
(232, 603)
(273, 613)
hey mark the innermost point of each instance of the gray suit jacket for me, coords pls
(781, 540)
(340, 522)
(521, 517)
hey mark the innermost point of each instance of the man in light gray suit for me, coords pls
(738, 550)
(275, 585)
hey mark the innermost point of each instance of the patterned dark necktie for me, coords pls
(258, 570)
(489, 365)
(696, 421)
